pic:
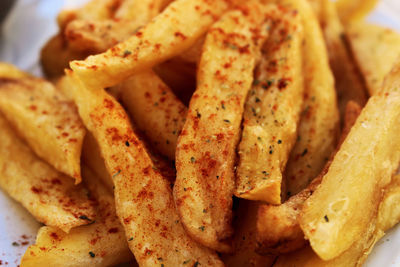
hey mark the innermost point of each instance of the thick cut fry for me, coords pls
(345, 205)
(140, 11)
(51, 197)
(10, 71)
(348, 80)
(318, 129)
(376, 49)
(143, 197)
(98, 36)
(55, 57)
(46, 120)
(176, 29)
(272, 112)
(99, 244)
(160, 114)
(388, 216)
(354, 10)
(94, 9)
(278, 228)
(244, 241)
(206, 150)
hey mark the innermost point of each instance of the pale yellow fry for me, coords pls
(143, 197)
(388, 216)
(318, 129)
(348, 80)
(46, 120)
(94, 9)
(10, 71)
(354, 10)
(272, 112)
(99, 244)
(140, 11)
(160, 114)
(244, 241)
(51, 197)
(376, 49)
(344, 206)
(206, 151)
(173, 31)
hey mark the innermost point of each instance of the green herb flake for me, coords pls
(304, 152)
(187, 261)
(15, 244)
(223, 106)
(256, 82)
(127, 143)
(84, 217)
(115, 174)
(198, 115)
(279, 141)
(202, 228)
(130, 239)
(127, 53)
(232, 46)
(258, 100)
(92, 254)
(192, 159)
(227, 121)
(196, 264)
(326, 218)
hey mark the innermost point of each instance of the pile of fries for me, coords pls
(207, 133)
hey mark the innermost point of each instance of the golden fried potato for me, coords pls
(348, 80)
(272, 112)
(278, 228)
(345, 205)
(160, 114)
(51, 197)
(388, 216)
(99, 244)
(354, 10)
(10, 71)
(55, 57)
(143, 197)
(46, 120)
(244, 240)
(376, 49)
(206, 151)
(319, 123)
(176, 29)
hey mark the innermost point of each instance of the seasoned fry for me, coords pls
(388, 216)
(12, 72)
(160, 115)
(99, 244)
(245, 239)
(354, 10)
(348, 80)
(143, 197)
(205, 154)
(272, 112)
(345, 205)
(55, 57)
(318, 129)
(94, 9)
(176, 29)
(46, 120)
(376, 49)
(51, 197)
(278, 229)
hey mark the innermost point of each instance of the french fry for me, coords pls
(160, 114)
(278, 228)
(354, 10)
(244, 240)
(376, 49)
(319, 123)
(345, 205)
(94, 9)
(348, 80)
(272, 112)
(388, 216)
(46, 120)
(143, 197)
(176, 29)
(12, 72)
(206, 151)
(51, 197)
(99, 244)
(55, 57)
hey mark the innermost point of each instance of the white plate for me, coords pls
(25, 30)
